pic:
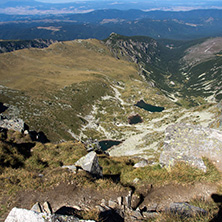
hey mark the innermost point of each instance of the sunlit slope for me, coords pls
(60, 65)
(53, 87)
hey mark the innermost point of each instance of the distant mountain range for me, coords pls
(100, 23)
(38, 7)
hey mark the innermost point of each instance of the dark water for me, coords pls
(141, 104)
(135, 119)
(106, 144)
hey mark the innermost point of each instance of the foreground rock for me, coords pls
(23, 215)
(90, 164)
(189, 143)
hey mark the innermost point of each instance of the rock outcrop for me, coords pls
(12, 45)
(23, 215)
(189, 143)
(13, 124)
(90, 164)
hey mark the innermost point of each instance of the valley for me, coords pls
(75, 98)
(89, 90)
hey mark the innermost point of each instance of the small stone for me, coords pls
(47, 208)
(77, 207)
(72, 168)
(135, 201)
(112, 204)
(136, 214)
(120, 201)
(142, 163)
(36, 208)
(100, 208)
(152, 208)
(103, 202)
(136, 180)
(150, 214)
(128, 199)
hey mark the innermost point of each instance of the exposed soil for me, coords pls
(163, 196)
(65, 195)
(71, 196)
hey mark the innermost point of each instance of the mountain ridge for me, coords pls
(100, 23)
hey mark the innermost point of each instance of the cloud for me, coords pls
(33, 11)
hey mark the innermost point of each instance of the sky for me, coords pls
(193, 1)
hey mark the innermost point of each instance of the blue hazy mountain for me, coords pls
(100, 23)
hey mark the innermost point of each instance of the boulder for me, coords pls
(141, 163)
(136, 200)
(128, 199)
(120, 201)
(46, 207)
(185, 209)
(23, 215)
(112, 204)
(90, 164)
(37, 208)
(189, 143)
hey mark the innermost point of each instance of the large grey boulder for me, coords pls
(23, 215)
(90, 164)
(189, 143)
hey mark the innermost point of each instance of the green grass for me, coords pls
(179, 174)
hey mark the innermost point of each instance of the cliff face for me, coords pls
(137, 49)
(12, 45)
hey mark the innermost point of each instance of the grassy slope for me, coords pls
(21, 172)
(57, 83)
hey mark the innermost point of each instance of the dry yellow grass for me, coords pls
(61, 64)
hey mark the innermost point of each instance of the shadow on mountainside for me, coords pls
(217, 199)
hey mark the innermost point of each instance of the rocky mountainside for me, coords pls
(8, 46)
(182, 70)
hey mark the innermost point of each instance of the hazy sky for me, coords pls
(63, 1)
(193, 1)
